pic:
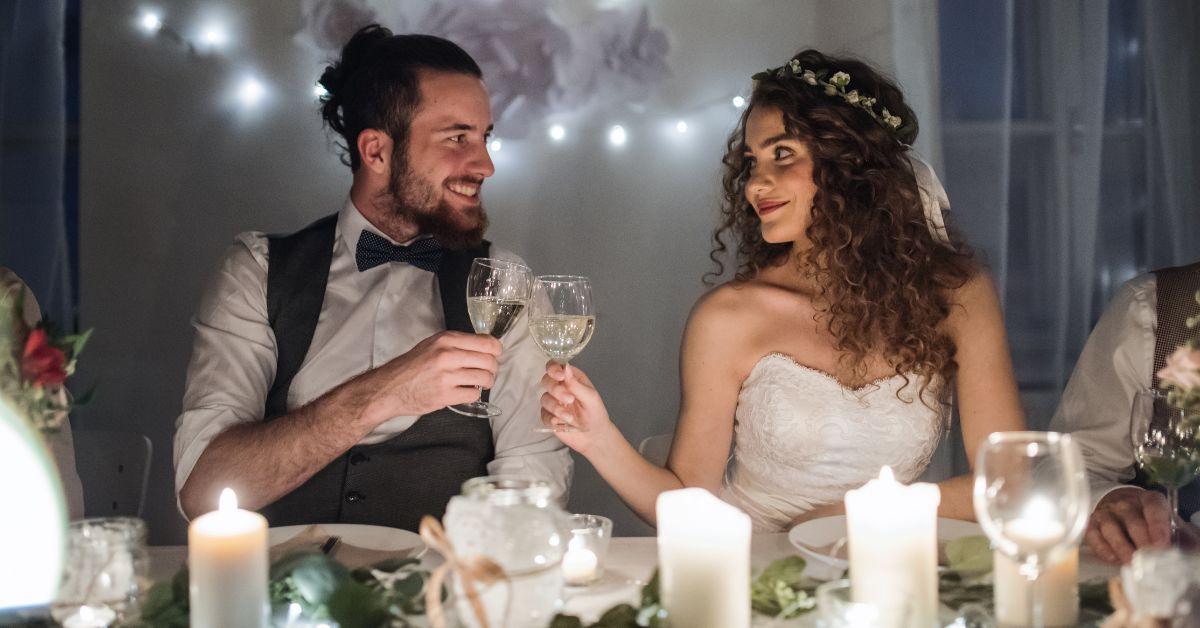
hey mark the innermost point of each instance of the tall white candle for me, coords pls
(892, 529)
(1037, 530)
(703, 560)
(227, 567)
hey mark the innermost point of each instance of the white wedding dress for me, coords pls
(802, 439)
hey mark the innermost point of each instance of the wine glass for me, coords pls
(1032, 500)
(1164, 446)
(497, 292)
(562, 318)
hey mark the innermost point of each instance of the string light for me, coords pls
(739, 102)
(681, 126)
(214, 35)
(150, 22)
(616, 135)
(495, 145)
(251, 91)
(319, 91)
(557, 133)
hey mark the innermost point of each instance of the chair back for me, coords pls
(656, 448)
(114, 468)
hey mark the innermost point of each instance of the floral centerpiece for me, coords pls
(1180, 375)
(35, 362)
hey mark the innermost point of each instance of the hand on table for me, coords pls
(1130, 518)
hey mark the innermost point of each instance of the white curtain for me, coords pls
(1069, 133)
(33, 238)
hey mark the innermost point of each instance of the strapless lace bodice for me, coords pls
(802, 439)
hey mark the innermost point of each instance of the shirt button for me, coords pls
(358, 458)
(354, 496)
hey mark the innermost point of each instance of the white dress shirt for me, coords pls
(367, 318)
(1114, 365)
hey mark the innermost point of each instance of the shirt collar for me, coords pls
(351, 223)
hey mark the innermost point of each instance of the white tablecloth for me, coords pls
(631, 562)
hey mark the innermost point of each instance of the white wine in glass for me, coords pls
(1164, 446)
(497, 291)
(562, 318)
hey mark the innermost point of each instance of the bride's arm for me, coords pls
(710, 383)
(986, 388)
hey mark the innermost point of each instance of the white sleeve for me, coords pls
(233, 354)
(1115, 363)
(519, 449)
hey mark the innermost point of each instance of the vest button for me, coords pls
(358, 458)
(354, 496)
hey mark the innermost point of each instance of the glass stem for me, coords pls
(1033, 593)
(1173, 507)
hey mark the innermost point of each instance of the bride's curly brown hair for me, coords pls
(884, 281)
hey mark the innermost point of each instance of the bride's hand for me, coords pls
(571, 400)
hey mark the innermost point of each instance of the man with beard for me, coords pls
(324, 361)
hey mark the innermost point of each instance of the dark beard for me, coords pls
(412, 199)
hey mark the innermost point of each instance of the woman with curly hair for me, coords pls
(853, 317)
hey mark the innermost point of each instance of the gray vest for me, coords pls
(393, 483)
(1176, 292)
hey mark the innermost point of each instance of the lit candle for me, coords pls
(892, 529)
(227, 567)
(703, 560)
(579, 564)
(90, 617)
(1038, 529)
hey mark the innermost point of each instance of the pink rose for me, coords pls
(1182, 368)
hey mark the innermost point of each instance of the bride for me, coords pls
(852, 318)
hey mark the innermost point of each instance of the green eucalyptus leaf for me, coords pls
(969, 554)
(566, 621)
(353, 605)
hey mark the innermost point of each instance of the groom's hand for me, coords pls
(441, 370)
(1125, 520)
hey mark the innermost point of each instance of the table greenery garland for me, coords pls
(391, 594)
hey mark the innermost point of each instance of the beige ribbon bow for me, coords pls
(469, 570)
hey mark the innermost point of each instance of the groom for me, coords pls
(323, 361)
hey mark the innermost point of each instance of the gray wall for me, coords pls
(171, 171)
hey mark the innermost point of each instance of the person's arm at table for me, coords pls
(221, 440)
(710, 384)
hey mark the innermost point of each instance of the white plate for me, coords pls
(814, 538)
(379, 538)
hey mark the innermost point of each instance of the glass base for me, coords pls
(565, 429)
(477, 409)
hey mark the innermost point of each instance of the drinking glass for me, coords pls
(105, 572)
(1164, 446)
(1032, 499)
(497, 292)
(562, 318)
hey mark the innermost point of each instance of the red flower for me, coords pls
(41, 363)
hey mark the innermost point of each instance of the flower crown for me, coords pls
(836, 86)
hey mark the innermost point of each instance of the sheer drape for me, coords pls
(33, 240)
(1069, 133)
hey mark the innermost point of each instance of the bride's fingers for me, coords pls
(560, 393)
(582, 391)
(558, 410)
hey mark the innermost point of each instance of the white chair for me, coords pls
(656, 448)
(114, 468)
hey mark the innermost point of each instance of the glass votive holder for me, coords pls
(105, 569)
(837, 609)
(587, 549)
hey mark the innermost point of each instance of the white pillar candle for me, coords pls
(703, 560)
(892, 530)
(227, 567)
(1058, 585)
(1037, 530)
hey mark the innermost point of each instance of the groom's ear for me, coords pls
(375, 150)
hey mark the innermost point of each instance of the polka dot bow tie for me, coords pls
(373, 250)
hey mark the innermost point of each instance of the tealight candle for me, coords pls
(704, 560)
(227, 567)
(892, 529)
(579, 564)
(583, 563)
(90, 617)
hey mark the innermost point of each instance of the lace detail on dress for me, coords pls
(802, 438)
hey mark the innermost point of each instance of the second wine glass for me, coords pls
(1164, 446)
(562, 318)
(497, 292)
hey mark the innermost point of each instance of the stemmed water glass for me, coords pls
(1032, 499)
(1164, 446)
(562, 317)
(497, 292)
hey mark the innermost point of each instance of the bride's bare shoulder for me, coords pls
(738, 307)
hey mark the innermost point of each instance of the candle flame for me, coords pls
(1039, 509)
(86, 614)
(228, 501)
(886, 475)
